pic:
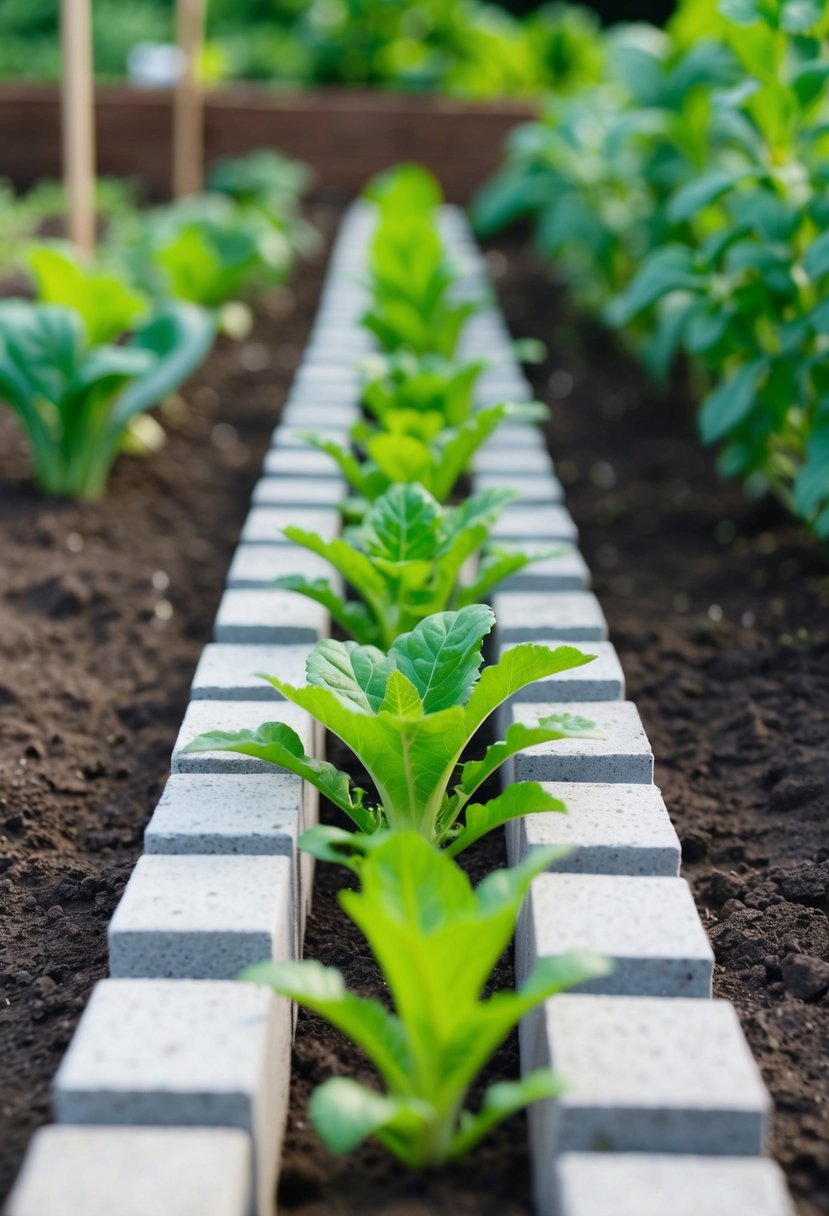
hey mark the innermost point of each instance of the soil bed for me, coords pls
(104, 610)
(719, 608)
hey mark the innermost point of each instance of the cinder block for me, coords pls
(490, 460)
(229, 673)
(253, 814)
(203, 917)
(644, 1075)
(298, 492)
(292, 438)
(491, 392)
(563, 570)
(271, 617)
(623, 755)
(308, 374)
(643, 1184)
(520, 436)
(191, 1053)
(610, 829)
(308, 462)
(260, 565)
(544, 522)
(315, 398)
(202, 716)
(600, 680)
(543, 488)
(133, 1171)
(648, 928)
(526, 616)
(264, 525)
(316, 416)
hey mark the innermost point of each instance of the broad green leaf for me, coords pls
(399, 527)
(522, 798)
(356, 674)
(442, 655)
(816, 257)
(401, 697)
(518, 737)
(702, 191)
(107, 306)
(731, 401)
(518, 666)
(345, 1113)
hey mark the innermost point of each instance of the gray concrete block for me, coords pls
(308, 462)
(264, 525)
(292, 438)
(609, 829)
(308, 374)
(257, 566)
(269, 618)
(519, 436)
(315, 399)
(192, 1053)
(202, 716)
(643, 1184)
(543, 522)
(600, 680)
(229, 673)
(564, 570)
(202, 917)
(492, 461)
(526, 616)
(133, 1171)
(648, 928)
(535, 488)
(644, 1075)
(291, 492)
(252, 815)
(623, 755)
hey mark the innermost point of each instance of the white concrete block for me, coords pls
(252, 814)
(203, 917)
(525, 616)
(520, 436)
(260, 565)
(623, 755)
(564, 570)
(193, 1053)
(644, 1075)
(134, 1171)
(543, 522)
(271, 617)
(610, 829)
(229, 673)
(308, 462)
(308, 374)
(320, 397)
(293, 492)
(264, 525)
(648, 928)
(202, 716)
(491, 460)
(600, 680)
(531, 488)
(644, 1184)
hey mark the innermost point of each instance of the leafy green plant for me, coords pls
(410, 281)
(269, 185)
(437, 940)
(106, 304)
(408, 716)
(417, 447)
(75, 400)
(404, 561)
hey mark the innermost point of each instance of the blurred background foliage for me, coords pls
(459, 47)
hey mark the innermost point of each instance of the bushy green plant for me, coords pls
(436, 940)
(107, 306)
(408, 717)
(404, 561)
(75, 400)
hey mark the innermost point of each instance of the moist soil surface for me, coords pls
(719, 608)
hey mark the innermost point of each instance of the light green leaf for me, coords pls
(518, 799)
(356, 674)
(442, 655)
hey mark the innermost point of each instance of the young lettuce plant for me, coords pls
(418, 447)
(408, 716)
(74, 400)
(436, 939)
(107, 305)
(404, 561)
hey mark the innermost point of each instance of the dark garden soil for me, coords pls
(720, 610)
(104, 610)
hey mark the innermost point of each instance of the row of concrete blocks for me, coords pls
(205, 912)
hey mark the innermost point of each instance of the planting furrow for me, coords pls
(653, 1067)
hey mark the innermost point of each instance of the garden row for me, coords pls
(653, 1070)
(684, 196)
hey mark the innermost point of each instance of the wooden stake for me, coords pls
(78, 122)
(188, 119)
